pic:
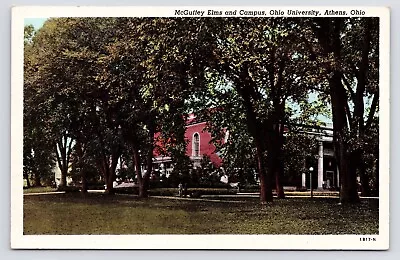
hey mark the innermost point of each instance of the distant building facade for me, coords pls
(198, 145)
(325, 174)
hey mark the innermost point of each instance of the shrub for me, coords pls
(95, 187)
(163, 192)
(301, 189)
(191, 192)
(68, 188)
(127, 190)
(195, 194)
(211, 191)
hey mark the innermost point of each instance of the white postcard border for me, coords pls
(302, 242)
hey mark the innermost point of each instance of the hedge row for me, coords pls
(191, 192)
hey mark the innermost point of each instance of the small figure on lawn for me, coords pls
(180, 189)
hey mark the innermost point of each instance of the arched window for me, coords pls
(196, 144)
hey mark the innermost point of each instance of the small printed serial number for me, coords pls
(367, 239)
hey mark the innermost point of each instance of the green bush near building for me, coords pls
(197, 192)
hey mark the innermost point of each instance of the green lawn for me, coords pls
(75, 213)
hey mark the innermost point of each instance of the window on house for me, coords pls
(196, 145)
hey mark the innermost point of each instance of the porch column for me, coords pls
(303, 180)
(337, 179)
(320, 164)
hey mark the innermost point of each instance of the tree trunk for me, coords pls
(61, 160)
(143, 188)
(347, 170)
(359, 109)
(84, 182)
(37, 180)
(144, 181)
(107, 177)
(28, 183)
(265, 182)
(365, 189)
(329, 36)
(64, 173)
(102, 170)
(278, 163)
(65, 162)
(345, 160)
(82, 171)
(348, 176)
(257, 130)
(274, 167)
(111, 171)
(110, 181)
(138, 171)
(348, 191)
(278, 180)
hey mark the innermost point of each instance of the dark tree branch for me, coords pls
(372, 110)
(280, 78)
(69, 151)
(271, 72)
(348, 114)
(348, 86)
(58, 157)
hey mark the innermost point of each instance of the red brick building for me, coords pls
(199, 145)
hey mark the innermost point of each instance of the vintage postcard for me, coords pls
(208, 127)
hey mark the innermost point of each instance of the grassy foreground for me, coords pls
(75, 213)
